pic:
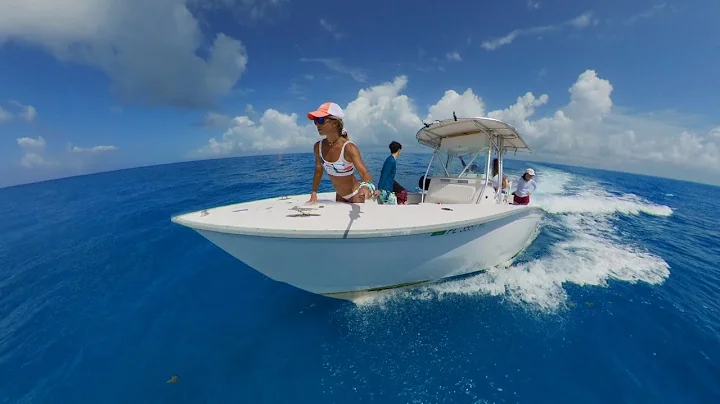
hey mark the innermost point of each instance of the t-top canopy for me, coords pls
(470, 134)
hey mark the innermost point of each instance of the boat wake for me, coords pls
(582, 246)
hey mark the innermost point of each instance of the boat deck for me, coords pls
(289, 217)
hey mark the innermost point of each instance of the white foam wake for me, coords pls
(600, 202)
(591, 255)
(561, 192)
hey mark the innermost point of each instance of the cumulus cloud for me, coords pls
(523, 108)
(33, 152)
(586, 130)
(30, 143)
(377, 112)
(272, 132)
(715, 132)
(149, 49)
(466, 104)
(579, 22)
(381, 112)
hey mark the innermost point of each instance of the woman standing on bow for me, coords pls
(339, 157)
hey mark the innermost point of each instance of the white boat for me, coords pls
(459, 224)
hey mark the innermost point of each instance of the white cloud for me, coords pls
(94, 149)
(33, 160)
(378, 112)
(149, 49)
(715, 132)
(589, 98)
(453, 56)
(5, 116)
(331, 29)
(466, 104)
(587, 130)
(381, 113)
(274, 131)
(533, 5)
(579, 22)
(649, 13)
(336, 65)
(523, 108)
(27, 112)
(30, 143)
(33, 152)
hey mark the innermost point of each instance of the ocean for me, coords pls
(104, 300)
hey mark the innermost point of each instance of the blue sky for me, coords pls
(91, 85)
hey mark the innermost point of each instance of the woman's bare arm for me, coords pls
(353, 155)
(317, 176)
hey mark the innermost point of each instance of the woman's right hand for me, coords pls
(313, 199)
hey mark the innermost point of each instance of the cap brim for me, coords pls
(317, 114)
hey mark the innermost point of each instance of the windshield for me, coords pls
(456, 163)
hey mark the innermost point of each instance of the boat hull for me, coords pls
(343, 268)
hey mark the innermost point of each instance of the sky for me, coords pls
(96, 85)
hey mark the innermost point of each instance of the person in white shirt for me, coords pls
(495, 180)
(525, 186)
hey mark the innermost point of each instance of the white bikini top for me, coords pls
(339, 168)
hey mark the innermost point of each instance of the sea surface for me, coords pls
(104, 300)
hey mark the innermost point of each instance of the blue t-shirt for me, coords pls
(387, 175)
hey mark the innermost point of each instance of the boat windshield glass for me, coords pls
(456, 162)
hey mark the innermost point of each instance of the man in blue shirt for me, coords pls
(387, 184)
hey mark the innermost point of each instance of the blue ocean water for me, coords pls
(103, 299)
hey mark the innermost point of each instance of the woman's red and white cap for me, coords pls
(328, 108)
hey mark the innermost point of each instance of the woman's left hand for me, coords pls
(367, 192)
